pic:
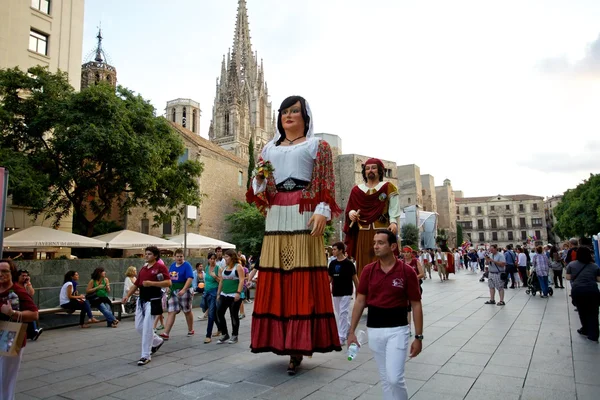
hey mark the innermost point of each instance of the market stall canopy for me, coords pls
(127, 239)
(40, 236)
(196, 241)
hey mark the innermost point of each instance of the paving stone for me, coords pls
(414, 370)
(463, 357)
(498, 383)
(479, 394)
(448, 384)
(501, 370)
(587, 392)
(468, 370)
(534, 393)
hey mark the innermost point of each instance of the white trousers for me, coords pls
(389, 347)
(144, 324)
(474, 265)
(9, 368)
(341, 305)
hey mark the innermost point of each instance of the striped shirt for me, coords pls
(540, 262)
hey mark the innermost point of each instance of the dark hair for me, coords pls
(69, 276)
(391, 238)
(211, 254)
(179, 251)
(233, 255)
(553, 251)
(199, 265)
(22, 271)
(218, 248)
(13, 268)
(539, 249)
(584, 255)
(379, 169)
(287, 103)
(97, 273)
(509, 247)
(339, 245)
(154, 250)
(495, 246)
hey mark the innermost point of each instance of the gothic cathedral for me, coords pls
(242, 109)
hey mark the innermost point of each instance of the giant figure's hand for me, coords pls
(318, 222)
(393, 228)
(353, 215)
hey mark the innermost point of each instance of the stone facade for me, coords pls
(549, 206)
(223, 181)
(502, 219)
(409, 185)
(428, 193)
(98, 69)
(185, 113)
(242, 109)
(446, 209)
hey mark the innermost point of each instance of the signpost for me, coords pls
(3, 194)
(190, 212)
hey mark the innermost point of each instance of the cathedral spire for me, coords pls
(242, 46)
(99, 50)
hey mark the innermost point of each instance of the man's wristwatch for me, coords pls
(419, 337)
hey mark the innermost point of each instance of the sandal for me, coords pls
(114, 324)
(294, 363)
(501, 303)
(490, 302)
(93, 321)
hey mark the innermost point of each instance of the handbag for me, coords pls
(92, 298)
(12, 336)
(131, 304)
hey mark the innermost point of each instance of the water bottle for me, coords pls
(354, 348)
(13, 298)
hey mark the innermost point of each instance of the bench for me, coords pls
(55, 310)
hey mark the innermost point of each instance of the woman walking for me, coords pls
(557, 266)
(584, 275)
(229, 297)
(540, 263)
(211, 285)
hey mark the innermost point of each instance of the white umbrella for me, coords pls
(39, 236)
(127, 239)
(196, 241)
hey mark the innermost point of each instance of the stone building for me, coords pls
(549, 206)
(222, 183)
(428, 193)
(409, 185)
(97, 67)
(446, 209)
(500, 219)
(242, 109)
(185, 113)
(49, 34)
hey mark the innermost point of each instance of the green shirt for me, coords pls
(209, 282)
(101, 292)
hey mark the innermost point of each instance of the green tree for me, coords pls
(410, 235)
(246, 227)
(578, 213)
(328, 233)
(90, 152)
(459, 235)
(250, 162)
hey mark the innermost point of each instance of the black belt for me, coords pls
(292, 185)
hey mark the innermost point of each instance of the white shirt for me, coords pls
(127, 285)
(426, 257)
(63, 298)
(522, 260)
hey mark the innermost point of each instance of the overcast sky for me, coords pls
(501, 97)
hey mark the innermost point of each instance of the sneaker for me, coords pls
(191, 333)
(223, 339)
(217, 334)
(248, 301)
(202, 318)
(160, 328)
(207, 340)
(233, 340)
(164, 336)
(143, 361)
(242, 316)
(155, 348)
(37, 334)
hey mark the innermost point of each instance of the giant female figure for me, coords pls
(293, 313)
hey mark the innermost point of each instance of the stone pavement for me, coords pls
(528, 349)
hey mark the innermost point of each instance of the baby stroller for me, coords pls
(533, 285)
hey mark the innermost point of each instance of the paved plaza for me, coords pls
(528, 349)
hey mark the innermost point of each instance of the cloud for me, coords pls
(589, 66)
(564, 163)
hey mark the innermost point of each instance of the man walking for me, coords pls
(496, 269)
(511, 266)
(342, 276)
(181, 296)
(387, 287)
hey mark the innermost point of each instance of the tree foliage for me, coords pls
(410, 235)
(459, 235)
(328, 233)
(578, 213)
(89, 152)
(246, 227)
(250, 162)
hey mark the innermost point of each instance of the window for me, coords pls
(167, 227)
(523, 235)
(240, 178)
(481, 237)
(521, 207)
(479, 210)
(522, 222)
(494, 223)
(535, 207)
(538, 235)
(466, 211)
(227, 124)
(536, 221)
(510, 236)
(388, 172)
(409, 200)
(509, 223)
(507, 207)
(194, 120)
(183, 117)
(467, 224)
(493, 208)
(495, 236)
(38, 42)
(457, 210)
(145, 226)
(173, 115)
(41, 5)
(479, 224)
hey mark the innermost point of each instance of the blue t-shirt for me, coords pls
(182, 273)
